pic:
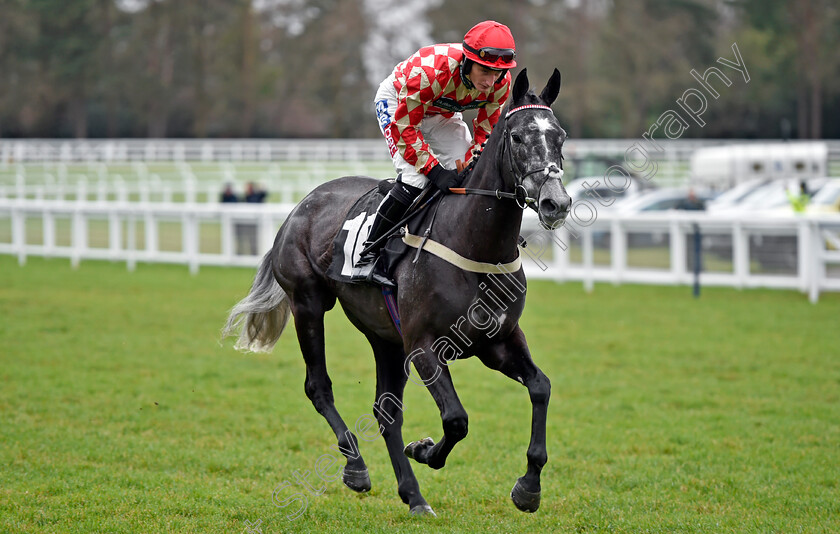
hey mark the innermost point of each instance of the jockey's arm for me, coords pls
(413, 101)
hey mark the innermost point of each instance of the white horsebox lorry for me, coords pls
(723, 167)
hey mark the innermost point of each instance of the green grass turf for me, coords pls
(121, 412)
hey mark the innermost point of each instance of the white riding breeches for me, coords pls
(448, 138)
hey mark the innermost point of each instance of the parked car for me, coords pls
(827, 199)
(657, 200)
(577, 167)
(603, 194)
(665, 199)
(730, 198)
(777, 253)
(774, 199)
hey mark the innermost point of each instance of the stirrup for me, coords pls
(365, 271)
(363, 268)
(366, 259)
(362, 271)
(370, 274)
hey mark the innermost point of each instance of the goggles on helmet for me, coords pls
(492, 54)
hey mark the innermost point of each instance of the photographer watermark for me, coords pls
(673, 123)
(487, 311)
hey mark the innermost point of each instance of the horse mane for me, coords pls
(490, 143)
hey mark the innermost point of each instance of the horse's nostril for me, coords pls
(548, 206)
(559, 207)
(566, 204)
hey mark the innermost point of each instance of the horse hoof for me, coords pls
(358, 481)
(423, 509)
(412, 447)
(523, 499)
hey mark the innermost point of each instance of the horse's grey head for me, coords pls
(535, 141)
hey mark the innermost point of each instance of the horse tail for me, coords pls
(262, 316)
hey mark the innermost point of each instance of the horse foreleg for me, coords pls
(526, 491)
(388, 408)
(454, 418)
(513, 359)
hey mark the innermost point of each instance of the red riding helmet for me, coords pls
(490, 43)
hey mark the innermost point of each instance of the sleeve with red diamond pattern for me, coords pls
(488, 116)
(413, 100)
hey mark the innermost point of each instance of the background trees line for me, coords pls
(308, 68)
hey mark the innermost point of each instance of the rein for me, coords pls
(520, 195)
(522, 200)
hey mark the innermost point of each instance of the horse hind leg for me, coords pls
(388, 408)
(308, 309)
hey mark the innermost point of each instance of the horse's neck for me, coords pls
(489, 168)
(491, 225)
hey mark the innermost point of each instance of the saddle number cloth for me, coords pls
(348, 244)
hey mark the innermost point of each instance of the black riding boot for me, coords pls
(389, 213)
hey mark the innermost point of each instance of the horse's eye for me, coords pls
(516, 138)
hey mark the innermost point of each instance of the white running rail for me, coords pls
(744, 251)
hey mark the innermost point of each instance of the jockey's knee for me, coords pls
(412, 178)
(405, 193)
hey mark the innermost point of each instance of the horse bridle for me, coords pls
(520, 194)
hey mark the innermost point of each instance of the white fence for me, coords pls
(182, 181)
(147, 232)
(741, 251)
(267, 150)
(193, 170)
(801, 253)
(207, 150)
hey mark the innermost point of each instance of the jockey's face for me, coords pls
(483, 78)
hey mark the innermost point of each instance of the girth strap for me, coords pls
(447, 254)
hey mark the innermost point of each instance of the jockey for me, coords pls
(419, 108)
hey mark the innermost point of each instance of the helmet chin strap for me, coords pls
(466, 66)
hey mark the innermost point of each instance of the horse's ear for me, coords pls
(520, 86)
(552, 88)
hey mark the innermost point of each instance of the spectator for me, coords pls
(254, 193)
(228, 195)
(799, 202)
(691, 202)
(246, 232)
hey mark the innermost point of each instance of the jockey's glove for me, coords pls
(443, 178)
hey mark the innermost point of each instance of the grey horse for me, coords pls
(449, 310)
